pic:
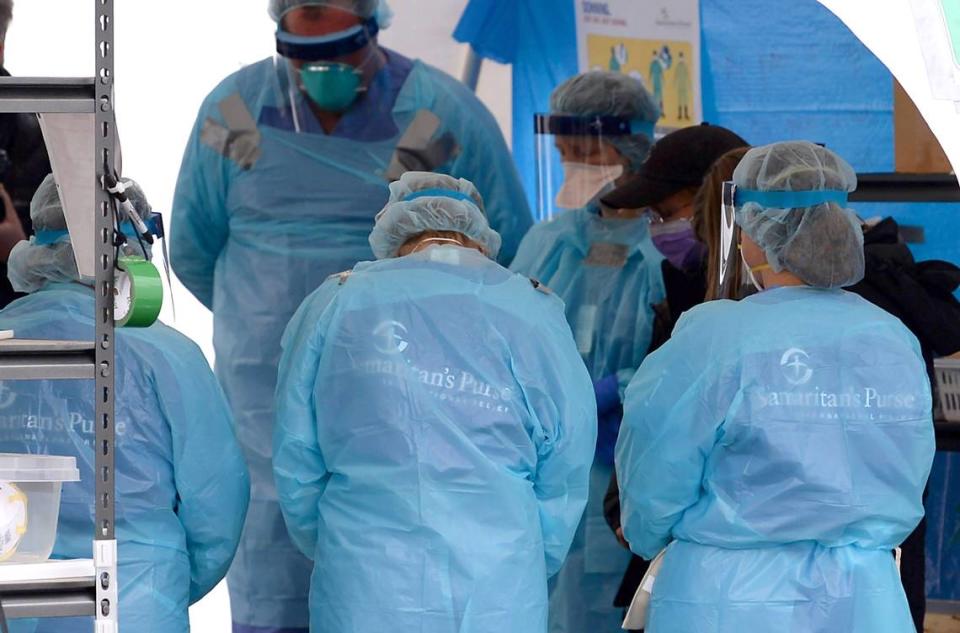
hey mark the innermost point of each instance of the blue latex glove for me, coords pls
(607, 392)
(608, 428)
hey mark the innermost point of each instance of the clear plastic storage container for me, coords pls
(947, 372)
(30, 504)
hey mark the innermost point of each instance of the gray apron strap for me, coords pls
(419, 150)
(239, 139)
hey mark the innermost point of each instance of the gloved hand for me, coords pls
(608, 428)
(607, 392)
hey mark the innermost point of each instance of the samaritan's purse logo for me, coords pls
(7, 396)
(389, 337)
(795, 367)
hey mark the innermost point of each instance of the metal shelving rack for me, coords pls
(93, 592)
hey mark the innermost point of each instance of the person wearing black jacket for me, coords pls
(921, 295)
(23, 166)
(667, 184)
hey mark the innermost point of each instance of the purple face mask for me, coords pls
(678, 242)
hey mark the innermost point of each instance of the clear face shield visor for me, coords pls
(576, 160)
(730, 270)
(325, 71)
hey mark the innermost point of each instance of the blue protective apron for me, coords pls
(302, 213)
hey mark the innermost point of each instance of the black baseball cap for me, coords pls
(678, 161)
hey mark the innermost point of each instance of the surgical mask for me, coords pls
(333, 86)
(678, 242)
(583, 183)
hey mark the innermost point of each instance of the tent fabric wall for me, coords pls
(772, 70)
(538, 37)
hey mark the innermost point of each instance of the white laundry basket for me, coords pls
(947, 371)
(30, 488)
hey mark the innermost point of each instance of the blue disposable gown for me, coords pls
(608, 273)
(252, 241)
(783, 443)
(182, 485)
(434, 435)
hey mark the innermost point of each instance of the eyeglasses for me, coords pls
(660, 213)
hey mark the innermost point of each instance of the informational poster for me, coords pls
(656, 41)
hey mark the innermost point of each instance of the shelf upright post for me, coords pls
(105, 544)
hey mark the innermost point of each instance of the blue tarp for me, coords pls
(772, 70)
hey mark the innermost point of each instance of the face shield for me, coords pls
(730, 264)
(576, 160)
(769, 207)
(322, 55)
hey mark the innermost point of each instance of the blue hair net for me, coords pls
(822, 244)
(424, 201)
(37, 262)
(363, 8)
(604, 93)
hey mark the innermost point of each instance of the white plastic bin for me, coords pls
(30, 504)
(947, 371)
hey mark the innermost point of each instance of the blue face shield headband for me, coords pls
(733, 198)
(787, 199)
(326, 47)
(50, 237)
(440, 193)
(572, 125)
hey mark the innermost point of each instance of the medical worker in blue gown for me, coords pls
(182, 486)
(781, 443)
(435, 428)
(288, 162)
(604, 266)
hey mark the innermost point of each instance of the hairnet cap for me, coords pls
(604, 93)
(403, 218)
(46, 210)
(821, 244)
(363, 8)
(31, 265)
(679, 160)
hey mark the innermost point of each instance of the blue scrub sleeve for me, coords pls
(673, 410)
(299, 469)
(559, 395)
(199, 223)
(213, 486)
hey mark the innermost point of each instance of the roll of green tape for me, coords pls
(138, 293)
